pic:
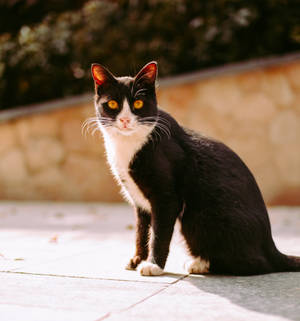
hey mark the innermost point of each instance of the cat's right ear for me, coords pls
(101, 75)
(147, 74)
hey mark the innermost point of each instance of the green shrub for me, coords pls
(31, 11)
(52, 59)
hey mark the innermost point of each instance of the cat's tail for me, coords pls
(285, 263)
(291, 263)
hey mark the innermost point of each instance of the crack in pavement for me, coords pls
(89, 278)
(168, 285)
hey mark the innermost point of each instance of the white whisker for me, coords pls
(95, 130)
(92, 124)
(87, 124)
(161, 127)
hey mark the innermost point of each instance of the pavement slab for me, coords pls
(271, 297)
(65, 261)
(95, 240)
(52, 298)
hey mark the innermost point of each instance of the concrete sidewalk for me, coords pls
(65, 262)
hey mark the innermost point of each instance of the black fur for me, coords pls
(206, 186)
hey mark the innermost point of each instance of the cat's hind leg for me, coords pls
(194, 242)
(197, 266)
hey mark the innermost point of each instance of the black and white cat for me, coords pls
(168, 172)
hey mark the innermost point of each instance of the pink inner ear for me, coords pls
(150, 71)
(98, 75)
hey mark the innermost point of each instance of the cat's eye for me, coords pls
(138, 104)
(112, 104)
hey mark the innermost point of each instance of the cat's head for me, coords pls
(125, 105)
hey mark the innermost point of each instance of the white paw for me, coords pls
(148, 268)
(197, 266)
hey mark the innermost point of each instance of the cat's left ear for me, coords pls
(101, 75)
(147, 74)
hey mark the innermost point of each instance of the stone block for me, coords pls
(24, 191)
(92, 176)
(255, 107)
(285, 135)
(209, 122)
(285, 129)
(76, 139)
(206, 121)
(178, 100)
(252, 145)
(222, 94)
(13, 169)
(107, 189)
(22, 126)
(87, 110)
(292, 72)
(296, 103)
(72, 112)
(251, 81)
(287, 159)
(44, 125)
(7, 136)
(277, 88)
(42, 152)
(50, 183)
(288, 196)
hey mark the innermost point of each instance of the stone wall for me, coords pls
(46, 156)
(256, 111)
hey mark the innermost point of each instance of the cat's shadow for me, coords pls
(276, 294)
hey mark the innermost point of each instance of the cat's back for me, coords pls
(214, 173)
(197, 146)
(201, 152)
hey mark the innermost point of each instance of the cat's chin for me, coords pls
(125, 132)
(117, 131)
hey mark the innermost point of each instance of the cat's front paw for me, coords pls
(133, 263)
(197, 266)
(148, 268)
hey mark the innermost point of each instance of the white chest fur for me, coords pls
(120, 151)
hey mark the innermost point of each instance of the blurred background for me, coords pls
(228, 68)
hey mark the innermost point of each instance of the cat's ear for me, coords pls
(147, 74)
(101, 75)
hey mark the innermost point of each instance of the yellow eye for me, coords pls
(138, 104)
(112, 104)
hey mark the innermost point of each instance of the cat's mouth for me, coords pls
(130, 130)
(126, 130)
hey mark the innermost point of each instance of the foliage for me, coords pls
(31, 11)
(52, 58)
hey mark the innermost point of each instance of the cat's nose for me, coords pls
(125, 121)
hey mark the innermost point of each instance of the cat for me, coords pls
(169, 173)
